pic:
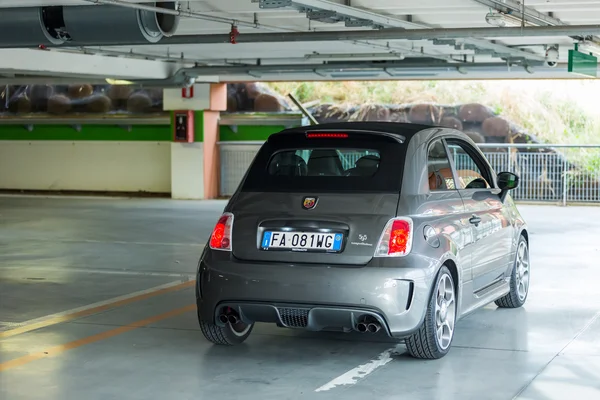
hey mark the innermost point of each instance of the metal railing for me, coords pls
(556, 173)
(548, 173)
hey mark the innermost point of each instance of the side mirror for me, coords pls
(506, 181)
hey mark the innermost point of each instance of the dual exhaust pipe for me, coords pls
(229, 317)
(368, 324)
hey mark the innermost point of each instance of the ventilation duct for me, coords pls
(85, 25)
(113, 25)
(27, 27)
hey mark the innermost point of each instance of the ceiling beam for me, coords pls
(47, 62)
(390, 34)
(389, 21)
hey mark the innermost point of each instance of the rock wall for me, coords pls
(478, 121)
(254, 97)
(79, 99)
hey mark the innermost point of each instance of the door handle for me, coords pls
(475, 220)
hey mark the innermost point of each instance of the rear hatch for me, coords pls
(323, 199)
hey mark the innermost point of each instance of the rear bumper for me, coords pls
(316, 297)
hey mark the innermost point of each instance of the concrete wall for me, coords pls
(128, 166)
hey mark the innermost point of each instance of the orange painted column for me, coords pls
(218, 103)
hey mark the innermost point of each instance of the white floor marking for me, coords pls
(354, 375)
(118, 242)
(102, 303)
(103, 271)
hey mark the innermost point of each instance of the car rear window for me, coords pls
(327, 165)
(327, 161)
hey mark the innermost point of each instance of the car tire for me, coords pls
(227, 335)
(426, 343)
(519, 278)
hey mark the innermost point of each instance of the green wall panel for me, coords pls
(248, 132)
(88, 132)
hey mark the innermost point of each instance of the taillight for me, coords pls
(396, 239)
(221, 235)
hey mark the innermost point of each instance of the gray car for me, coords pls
(364, 227)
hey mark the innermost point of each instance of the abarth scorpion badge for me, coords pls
(309, 203)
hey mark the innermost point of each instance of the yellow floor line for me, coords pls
(53, 351)
(94, 308)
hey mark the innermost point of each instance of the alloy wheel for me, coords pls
(445, 311)
(522, 271)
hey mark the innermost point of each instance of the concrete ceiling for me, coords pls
(525, 53)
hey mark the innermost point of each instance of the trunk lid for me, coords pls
(264, 220)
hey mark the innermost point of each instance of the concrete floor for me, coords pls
(96, 303)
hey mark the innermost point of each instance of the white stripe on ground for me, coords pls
(116, 242)
(354, 375)
(103, 271)
(101, 303)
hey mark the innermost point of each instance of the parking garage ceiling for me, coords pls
(309, 40)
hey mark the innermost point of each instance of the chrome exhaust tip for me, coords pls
(373, 327)
(361, 327)
(223, 318)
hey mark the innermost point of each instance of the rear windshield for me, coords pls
(330, 165)
(324, 162)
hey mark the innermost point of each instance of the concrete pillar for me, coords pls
(195, 166)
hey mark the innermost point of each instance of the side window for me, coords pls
(439, 168)
(472, 174)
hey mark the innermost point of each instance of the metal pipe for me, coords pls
(337, 67)
(190, 14)
(388, 34)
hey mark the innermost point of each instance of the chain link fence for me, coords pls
(548, 173)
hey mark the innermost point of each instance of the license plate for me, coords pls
(302, 241)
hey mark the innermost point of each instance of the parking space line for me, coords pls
(104, 271)
(354, 375)
(116, 242)
(53, 351)
(94, 308)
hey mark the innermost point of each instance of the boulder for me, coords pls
(59, 104)
(496, 127)
(80, 91)
(451, 122)
(139, 103)
(474, 112)
(475, 136)
(267, 103)
(98, 104)
(427, 114)
(20, 105)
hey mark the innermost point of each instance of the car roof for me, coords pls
(405, 130)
